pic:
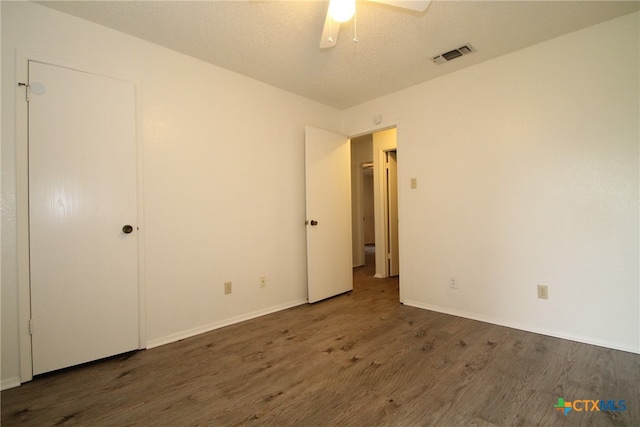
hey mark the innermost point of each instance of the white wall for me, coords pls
(223, 178)
(527, 170)
(528, 173)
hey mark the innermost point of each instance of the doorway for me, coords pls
(375, 202)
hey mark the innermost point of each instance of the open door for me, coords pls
(328, 207)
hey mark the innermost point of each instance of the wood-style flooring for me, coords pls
(359, 359)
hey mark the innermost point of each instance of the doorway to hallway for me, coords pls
(375, 202)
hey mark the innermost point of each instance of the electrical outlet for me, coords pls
(452, 283)
(263, 281)
(227, 288)
(543, 292)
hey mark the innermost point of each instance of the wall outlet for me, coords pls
(227, 288)
(452, 283)
(543, 292)
(263, 281)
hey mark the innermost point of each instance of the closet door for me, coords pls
(82, 213)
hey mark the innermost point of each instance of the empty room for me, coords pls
(404, 213)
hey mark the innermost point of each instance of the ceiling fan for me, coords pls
(343, 10)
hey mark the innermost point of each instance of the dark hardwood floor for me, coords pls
(359, 359)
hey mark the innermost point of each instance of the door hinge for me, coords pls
(27, 90)
(30, 326)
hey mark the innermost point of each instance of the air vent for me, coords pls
(453, 54)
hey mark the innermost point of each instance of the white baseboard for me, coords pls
(520, 326)
(9, 383)
(217, 325)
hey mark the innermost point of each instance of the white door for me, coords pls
(392, 217)
(82, 192)
(328, 197)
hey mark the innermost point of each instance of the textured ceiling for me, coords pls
(277, 41)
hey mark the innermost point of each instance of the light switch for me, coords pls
(414, 183)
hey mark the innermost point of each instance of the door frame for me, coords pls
(22, 200)
(380, 203)
(388, 210)
(382, 268)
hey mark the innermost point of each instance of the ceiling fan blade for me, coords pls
(417, 5)
(329, 32)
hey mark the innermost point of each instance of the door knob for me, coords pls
(313, 222)
(127, 229)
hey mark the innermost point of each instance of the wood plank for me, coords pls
(356, 359)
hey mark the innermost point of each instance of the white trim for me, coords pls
(380, 200)
(22, 195)
(221, 324)
(142, 289)
(380, 206)
(519, 326)
(22, 215)
(10, 383)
